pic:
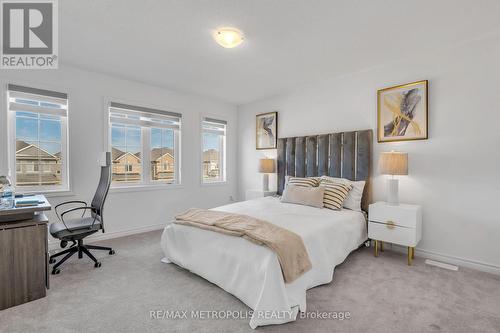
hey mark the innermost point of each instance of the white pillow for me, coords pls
(309, 196)
(353, 200)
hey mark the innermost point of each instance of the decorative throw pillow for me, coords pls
(353, 200)
(302, 195)
(335, 194)
(304, 182)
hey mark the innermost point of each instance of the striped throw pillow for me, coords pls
(335, 194)
(303, 182)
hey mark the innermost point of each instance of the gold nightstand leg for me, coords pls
(409, 255)
(381, 246)
(375, 247)
(413, 253)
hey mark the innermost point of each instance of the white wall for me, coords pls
(138, 210)
(454, 174)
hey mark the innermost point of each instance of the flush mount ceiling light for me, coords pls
(228, 37)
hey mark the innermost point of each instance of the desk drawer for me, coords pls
(392, 234)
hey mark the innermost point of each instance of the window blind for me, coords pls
(26, 99)
(142, 116)
(215, 126)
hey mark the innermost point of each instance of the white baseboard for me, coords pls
(54, 243)
(461, 262)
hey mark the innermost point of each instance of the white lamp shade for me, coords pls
(267, 165)
(393, 163)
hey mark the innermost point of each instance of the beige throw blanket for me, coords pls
(289, 247)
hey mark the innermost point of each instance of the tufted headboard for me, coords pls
(346, 155)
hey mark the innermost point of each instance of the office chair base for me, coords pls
(80, 249)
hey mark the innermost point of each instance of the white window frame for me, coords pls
(222, 148)
(46, 95)
(146, 177)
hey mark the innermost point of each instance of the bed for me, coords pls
(252, 272)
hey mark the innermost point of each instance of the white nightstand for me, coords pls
(254, 194)
(401, 224)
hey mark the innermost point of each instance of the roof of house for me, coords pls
(157, 153)
(21, 144)
(116, 154)
(29, 150)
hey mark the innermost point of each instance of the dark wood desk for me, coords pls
(24, 272)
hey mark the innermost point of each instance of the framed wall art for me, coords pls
(266, 130)
(403, 112)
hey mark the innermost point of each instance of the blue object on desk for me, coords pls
(24, 195)
(28, 202)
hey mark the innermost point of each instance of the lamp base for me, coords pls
(393, 191)
(265, 182)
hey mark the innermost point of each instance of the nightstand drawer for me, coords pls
(393, 234)
(402, 215)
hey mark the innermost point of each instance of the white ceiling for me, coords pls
(288, 42)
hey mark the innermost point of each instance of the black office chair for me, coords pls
(77, 229)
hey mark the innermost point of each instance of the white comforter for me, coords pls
(252, 272)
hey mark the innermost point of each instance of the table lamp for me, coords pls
(266, 166)
(394, 164)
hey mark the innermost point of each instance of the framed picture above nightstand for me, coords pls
(398, 224)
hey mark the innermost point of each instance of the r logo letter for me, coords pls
(35, 21)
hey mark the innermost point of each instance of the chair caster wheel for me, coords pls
(56, 271)
(111, 252)
(97, 264)
(64, 243)
(52, 261)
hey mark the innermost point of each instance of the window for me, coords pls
(38, 122)
(145, 145)
(213, 156)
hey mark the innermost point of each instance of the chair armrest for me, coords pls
(75, 209)
(66, 203)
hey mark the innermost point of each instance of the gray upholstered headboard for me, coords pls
(347, 155)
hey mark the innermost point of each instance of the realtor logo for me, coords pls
(29, 34)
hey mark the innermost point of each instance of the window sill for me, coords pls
(209, 184)
(49, 193)
(62, 193)
(142, 188)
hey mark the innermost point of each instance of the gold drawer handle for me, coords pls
(390, 225)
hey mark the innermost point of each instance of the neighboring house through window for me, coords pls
(38, 125)
(145, 145)
(213, 150)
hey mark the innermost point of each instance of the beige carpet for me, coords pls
(381, 294)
